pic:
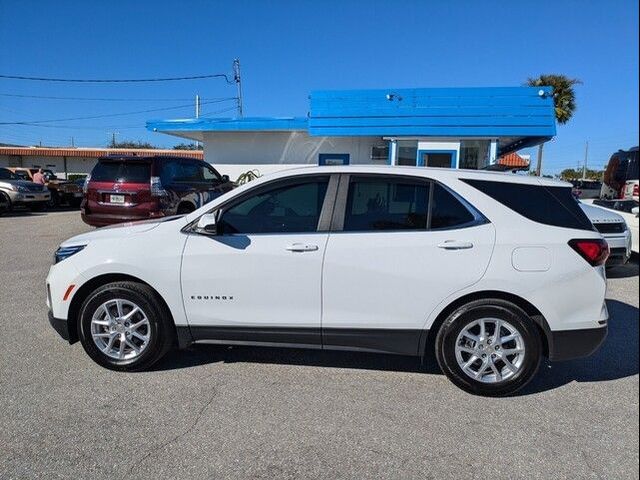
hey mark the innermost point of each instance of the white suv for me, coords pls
(484, 269)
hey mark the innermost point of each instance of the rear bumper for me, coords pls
(104, 219)
(61, 326)
(571, 344)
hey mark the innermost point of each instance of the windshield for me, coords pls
(7, 175)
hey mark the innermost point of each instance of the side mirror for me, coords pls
(225, 178)
(635, 211)
(207, 225)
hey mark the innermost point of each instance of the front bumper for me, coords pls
(620, 248)
(571, 344)
(27, 198)
(61, 326)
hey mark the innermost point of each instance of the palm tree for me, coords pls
(564, 100)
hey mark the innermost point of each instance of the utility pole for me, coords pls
(237, 79)
(586, 156)
(197, 113)
(72, 143)
(113, 139)
(539, 160)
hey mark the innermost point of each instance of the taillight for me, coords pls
(593, 250)
(85, 185)
(635, 190)
(156, 188)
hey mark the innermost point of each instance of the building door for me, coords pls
(333, 159)
(437, 158)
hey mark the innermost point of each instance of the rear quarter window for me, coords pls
(129, 172)
(555, 206)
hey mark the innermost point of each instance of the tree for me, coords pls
(564, 100)
(187, 146)
(573, 174)
(132, 144)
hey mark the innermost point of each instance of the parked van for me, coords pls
(127, 188)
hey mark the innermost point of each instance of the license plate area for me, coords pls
(117, 199)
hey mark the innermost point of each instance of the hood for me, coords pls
(600, 215)
(21, 183)
(120, 230)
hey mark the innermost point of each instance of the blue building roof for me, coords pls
(247, 124)
(523, 116)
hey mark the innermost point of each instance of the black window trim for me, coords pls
(326, 212)
(339, 213)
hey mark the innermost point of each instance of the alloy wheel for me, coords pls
(120, 329)
(490, 350)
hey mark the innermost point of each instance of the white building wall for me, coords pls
(233, 153)
(75, 165)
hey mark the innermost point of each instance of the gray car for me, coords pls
(18, 192)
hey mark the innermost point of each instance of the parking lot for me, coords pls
(213, 412)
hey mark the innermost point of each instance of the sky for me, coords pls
(288, 48)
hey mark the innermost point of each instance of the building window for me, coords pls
(380, 154)
(474, 154)
(407, 152)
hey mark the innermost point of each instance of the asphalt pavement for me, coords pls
(246, 412)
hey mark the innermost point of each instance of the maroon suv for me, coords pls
(125, 188)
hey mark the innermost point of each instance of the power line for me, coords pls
(37, 122)
(219, 111)
(102, 99)
(127, 80)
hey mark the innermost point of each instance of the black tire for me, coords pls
(7, 201)
(54, 201)
(488, 309)
(185, 208)
(75, 202)
(161, 329)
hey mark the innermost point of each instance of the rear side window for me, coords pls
(447, 211)
(129, 172)
(381, 204)
(554, 206)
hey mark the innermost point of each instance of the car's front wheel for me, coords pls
(123, 326)
(489, 347)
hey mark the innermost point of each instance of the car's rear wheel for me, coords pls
(489, 347)
(123, 326)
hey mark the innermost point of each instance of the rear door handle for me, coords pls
(301, 247)
(455, 245)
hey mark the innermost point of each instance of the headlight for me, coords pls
(66, 252)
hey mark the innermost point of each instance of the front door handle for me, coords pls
(302, 247)
(455, 245)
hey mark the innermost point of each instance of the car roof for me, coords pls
(145, 158)
(428, 172)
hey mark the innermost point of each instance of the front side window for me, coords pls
(289, 209)
(209, 174)
(381, 204)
